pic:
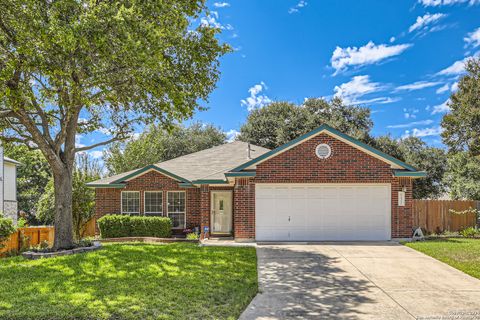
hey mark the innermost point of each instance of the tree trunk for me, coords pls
(62, 179)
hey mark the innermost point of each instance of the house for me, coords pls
(8, 186)
(324, 185)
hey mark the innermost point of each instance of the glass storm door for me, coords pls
(221, 212)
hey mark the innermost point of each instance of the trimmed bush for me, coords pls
(117, 226)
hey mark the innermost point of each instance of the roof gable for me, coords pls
(205, 165)
(395, 163)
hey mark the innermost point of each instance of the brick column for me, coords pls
(204, 210)
(402, 217)
(244, 209)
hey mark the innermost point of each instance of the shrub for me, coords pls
(6, 229)
(117, 226)
(192, 236)
(470, 232)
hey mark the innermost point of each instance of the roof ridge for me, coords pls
(205, 150)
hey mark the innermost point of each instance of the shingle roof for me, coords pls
(208, 164)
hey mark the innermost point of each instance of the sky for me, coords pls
(402, 59)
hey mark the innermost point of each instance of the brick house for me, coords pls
(324, 185)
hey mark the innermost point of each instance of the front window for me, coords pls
(153, 203)
(176, 208)
(130, 202)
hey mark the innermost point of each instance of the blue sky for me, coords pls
(400, 58)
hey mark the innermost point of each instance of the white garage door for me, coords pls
(322, 212)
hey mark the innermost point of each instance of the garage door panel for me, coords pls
(322, 212)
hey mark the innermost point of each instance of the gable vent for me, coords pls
(323, 151)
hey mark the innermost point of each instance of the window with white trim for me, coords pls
(153, 204)
(130, 202)
(176, 208)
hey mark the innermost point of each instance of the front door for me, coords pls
(221, 216)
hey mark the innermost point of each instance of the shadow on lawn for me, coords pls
(131, 281)
(299, 282)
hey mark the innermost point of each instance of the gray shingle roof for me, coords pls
(208, 164)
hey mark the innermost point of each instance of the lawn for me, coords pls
(463, 254)
(131, 281)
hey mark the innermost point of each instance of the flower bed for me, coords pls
(148, 240)
(33, 255)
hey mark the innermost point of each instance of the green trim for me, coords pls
(333, 131)
(113, 185)
(401, 173)
(186, 185)
(241, 174)
(149, 167)
(211, 181)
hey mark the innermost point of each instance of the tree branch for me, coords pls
(117, 138)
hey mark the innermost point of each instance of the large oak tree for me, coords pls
(70, 67)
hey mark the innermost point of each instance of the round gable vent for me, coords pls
(323, 151)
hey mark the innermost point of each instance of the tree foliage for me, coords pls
(70, 67)
(83, 203)
(418, 154)
(462, 124)
(158, 144)
(463, 176)
(280, 122)
(32, 175)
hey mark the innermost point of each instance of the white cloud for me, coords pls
(232, 135)
(422, 23)
(456, 68)
(473, 38)
(410, 113)
(392, 39)
(301, 4)
(256, 100)
(454, 87)
(379, 100)
(417, 85)
(426, 132)
(96, 154)
(437, 3)
(356, 88)
(370, 53)
(443, 89)
(78, 141)
(441, 108)
(221, 4)
(212, 21)
(411, 124)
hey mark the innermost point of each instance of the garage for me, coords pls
(323, 212)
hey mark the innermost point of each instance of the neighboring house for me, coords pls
(8, 186)
(324, 185)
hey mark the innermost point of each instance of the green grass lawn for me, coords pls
(463, 254)
(131, 281)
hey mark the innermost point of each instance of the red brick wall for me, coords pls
(345, 165)
(108, 200)
(244, 209)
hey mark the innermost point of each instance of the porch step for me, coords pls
(220, 238)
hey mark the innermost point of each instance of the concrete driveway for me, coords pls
(359, 281)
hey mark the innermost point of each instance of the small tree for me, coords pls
(6, 229)
(75, 67)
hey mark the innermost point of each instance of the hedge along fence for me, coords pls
(117, 226)
(27, 237)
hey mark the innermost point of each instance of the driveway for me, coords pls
(359, 281)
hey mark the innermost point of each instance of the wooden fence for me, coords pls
(435, 215)
(29, 236)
